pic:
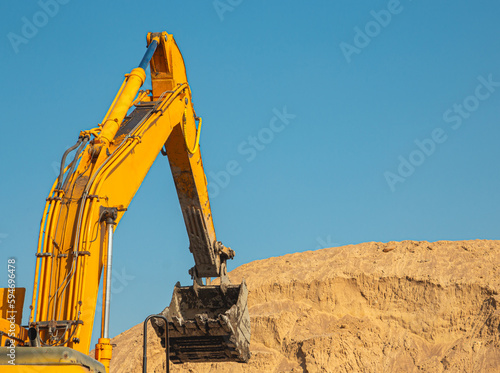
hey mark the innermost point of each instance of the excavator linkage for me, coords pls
(204, 323)
(209, 326)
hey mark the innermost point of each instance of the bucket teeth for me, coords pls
(201, 321)
(178, 322)
(225, 324)
(210, 326)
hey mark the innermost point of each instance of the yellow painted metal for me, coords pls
(135, 80)
(114, 100)
(104, 352)
(53, 196)
(19, 334)
(15, 306)
(198, 132)
(47, 360)
(72, 242)
(59, 368)
(142, 96)
(11, 311)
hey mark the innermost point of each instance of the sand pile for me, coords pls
(374, 307)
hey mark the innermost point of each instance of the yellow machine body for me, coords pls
(47, 360)
(93, 192)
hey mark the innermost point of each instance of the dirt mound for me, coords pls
(374, 307)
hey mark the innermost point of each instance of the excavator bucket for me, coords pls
(210, 326)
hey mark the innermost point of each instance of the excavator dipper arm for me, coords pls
(89, 198)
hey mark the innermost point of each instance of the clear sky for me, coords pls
(349, 121)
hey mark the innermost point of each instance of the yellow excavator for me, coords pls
(105, 168)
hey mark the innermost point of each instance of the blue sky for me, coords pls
(348, 122)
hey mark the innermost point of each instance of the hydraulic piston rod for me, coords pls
(103, 350)
(110, 224)
(125, 97)
(149, 54)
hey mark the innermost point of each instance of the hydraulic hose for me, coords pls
(63, 162)
(75, 160)
(198, 132)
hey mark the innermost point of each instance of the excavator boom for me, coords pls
(90, 197)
